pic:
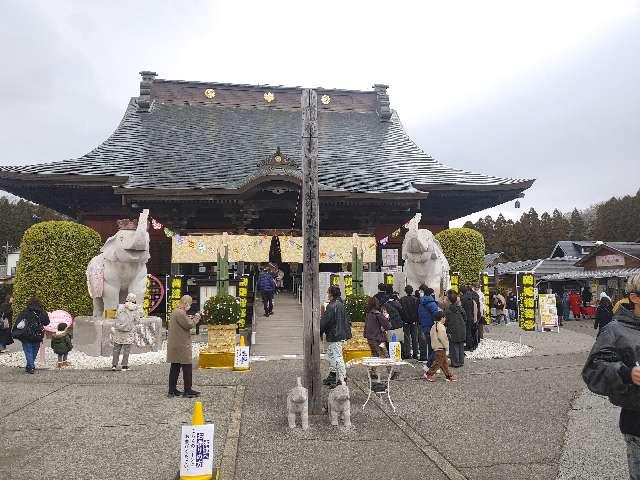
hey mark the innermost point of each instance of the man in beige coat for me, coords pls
(179, 348)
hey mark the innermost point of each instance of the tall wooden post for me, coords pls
(310, 251)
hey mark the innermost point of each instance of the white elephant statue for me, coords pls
(121, 267)
(424, 260)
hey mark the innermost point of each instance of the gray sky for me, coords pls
(540, 89)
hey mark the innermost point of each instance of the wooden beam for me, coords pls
(310, 252)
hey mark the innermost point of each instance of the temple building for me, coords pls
(208, 157)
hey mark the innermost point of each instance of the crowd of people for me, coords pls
(433, 331)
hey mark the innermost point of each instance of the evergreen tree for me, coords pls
(577, 229)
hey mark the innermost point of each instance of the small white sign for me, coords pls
(395, 350)
(389, 257)
(241, 360)
(197, 450)
(610, 260)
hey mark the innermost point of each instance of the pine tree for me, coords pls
(577, 230)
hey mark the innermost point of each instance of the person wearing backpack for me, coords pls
(6, 314)
(29, 329)
(123, 331)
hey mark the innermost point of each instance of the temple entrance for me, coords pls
(281, 333)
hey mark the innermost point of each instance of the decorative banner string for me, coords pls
(395, 233)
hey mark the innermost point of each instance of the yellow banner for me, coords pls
(252, 248)
(332, 249)
(203, 248)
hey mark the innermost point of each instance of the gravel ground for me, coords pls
(81, 361)
(594, 447)
(490, 348)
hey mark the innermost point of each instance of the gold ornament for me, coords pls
(277, 159)
(269, 97)
(209, 93)
(325, 99)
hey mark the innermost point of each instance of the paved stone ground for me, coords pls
(594, 447)
(507, 418)
(280, 333)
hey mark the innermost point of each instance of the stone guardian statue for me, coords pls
(120, 268)
(424, 260)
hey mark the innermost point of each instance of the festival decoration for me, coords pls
(395, 233)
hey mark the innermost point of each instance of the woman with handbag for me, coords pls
(6, 315)
(29, 329)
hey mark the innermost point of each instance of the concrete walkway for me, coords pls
(281, 333)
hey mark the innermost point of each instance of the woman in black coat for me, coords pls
(34, 318)
(6, 315)
(604, 314)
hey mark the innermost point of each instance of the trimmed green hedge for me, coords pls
(464, 249)
(222, 310)
(355, 305)
(52, 267)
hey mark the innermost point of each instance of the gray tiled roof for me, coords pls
(542, 266)
(573, 248)
(198, 145)
(584, 274)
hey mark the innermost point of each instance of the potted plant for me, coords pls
(222, 313)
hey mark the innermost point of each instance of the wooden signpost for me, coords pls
(310, 251)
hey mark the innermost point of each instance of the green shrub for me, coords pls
(356, 306)
(464, 249)
(222, 310)
(53, 260)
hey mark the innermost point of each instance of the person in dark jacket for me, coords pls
(6, 316)
(613, 369)
(559, 308)
(376, 323)
(604, 314)
(61, 344)
(336, 326)
(266, 286)
(426, 313)
(410, 308)
(35, 318)
(587, 296)
(456, 328)
(383, 294)
(375, 326)
(471, 314)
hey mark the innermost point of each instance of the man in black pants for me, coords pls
(179, 353)
(266, 287)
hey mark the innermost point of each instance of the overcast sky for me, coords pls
(542, 89)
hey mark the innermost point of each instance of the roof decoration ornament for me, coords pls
(277, 159)
(210, 93)
(144, 100)
(325, 99)
(269, 97)
(384, 108)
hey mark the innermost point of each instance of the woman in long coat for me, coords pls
(179, 353)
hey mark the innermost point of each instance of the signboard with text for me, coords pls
(197, 450)
(526, 301)
(548, 311)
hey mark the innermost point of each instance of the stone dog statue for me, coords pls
(121, 267)
(339, 404)
(297, 402)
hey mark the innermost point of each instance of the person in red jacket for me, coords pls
(575, 301)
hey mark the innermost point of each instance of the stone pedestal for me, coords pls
(92, 336)
(220, 349)
(357, 346)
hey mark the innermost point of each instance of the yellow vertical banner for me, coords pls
(526, 301)
(487, 298)
(243, 293)
(455, 281)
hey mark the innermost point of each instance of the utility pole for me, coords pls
(310, 252)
